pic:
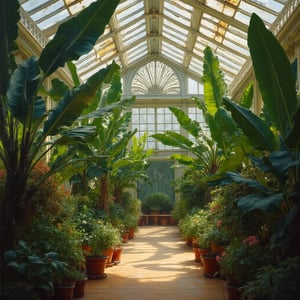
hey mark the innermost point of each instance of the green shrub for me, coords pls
(159, 202)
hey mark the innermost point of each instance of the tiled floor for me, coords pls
(156, 265)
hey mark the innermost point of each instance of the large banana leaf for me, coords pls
(58, 90)
(267, 204)
(82, 134)
(22, 89)
(258, 132)
(174, 139)
(213, 82)
(77, 36)
(72, 105)
(191, 126)
(250, 182)
(274, 75)
(293, 138)
(8, 34)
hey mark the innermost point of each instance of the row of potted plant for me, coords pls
(54, 253)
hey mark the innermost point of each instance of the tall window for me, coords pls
(154, 120)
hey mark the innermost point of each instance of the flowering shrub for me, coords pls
(241, 259)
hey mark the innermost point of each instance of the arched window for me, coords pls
(155, 78)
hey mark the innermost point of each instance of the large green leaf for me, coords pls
(73, 71)
(9, 17)
(183, 159)
(213, 82)
(274, 75)
(262, 202)
(282, 162)
(247, 97)
(225, 122)
(259, 134)
(293, 138)
(188, 124)
(250, 182)
(58, 90)
(22, 89)
(77, 36)
(72, 105)
(174, 139)
(82, 134)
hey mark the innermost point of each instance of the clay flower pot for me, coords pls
(95, 267)
(117, 255)
(210, 265)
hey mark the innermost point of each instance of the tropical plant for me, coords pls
(275, 282)
(205, 157)
(109, 144)
(28, 130)
(131, 168)
(30, 273)
(276, 136)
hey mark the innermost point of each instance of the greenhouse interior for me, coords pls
(120, 119)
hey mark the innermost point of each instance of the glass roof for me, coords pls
(175, 30)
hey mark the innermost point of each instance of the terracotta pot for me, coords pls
(131, 233)
(219, 249)
(164, 221)
(109, 253)
(197, 254)
(210, 265)
(125, 237)
(64, 292)
(117, 255)
(233, 291)
(79, 289)
(203, 251)
(95, 267)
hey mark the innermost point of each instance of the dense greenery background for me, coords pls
(161, 176)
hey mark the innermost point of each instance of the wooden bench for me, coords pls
(157, 219)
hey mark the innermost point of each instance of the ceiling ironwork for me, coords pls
(174, 30)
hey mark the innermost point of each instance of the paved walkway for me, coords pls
(156, 265)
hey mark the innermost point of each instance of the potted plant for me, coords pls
(79, 278)
(240, 261)
(211, 265)
(30, 273)
(279, 281)
(104, 236)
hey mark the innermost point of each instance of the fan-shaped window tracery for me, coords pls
(155, 78)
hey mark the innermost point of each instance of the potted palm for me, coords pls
(104, 236)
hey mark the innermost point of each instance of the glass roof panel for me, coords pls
(129, 12)
(179, 30)
(180, 12)
(134, 36)
(47, 10)
(30, 5)
(53, 20)
(172, 52)
(137, 52)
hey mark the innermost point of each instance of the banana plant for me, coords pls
(277, 136)
(28, 130)
(109, 144)
(205, 156)
(130, 169)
